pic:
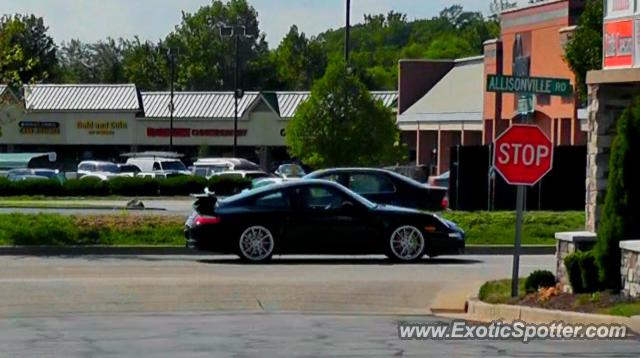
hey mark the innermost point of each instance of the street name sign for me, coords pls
(534, 85)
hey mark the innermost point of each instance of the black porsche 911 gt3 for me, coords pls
(316, 217)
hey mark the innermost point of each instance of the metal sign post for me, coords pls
(517, 246)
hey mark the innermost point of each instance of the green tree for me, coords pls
(622, 199)
(27, 53)
(449, 46)
(146, 64)
(100, 62)
(206, 59)
(298, 61)
(584, 50)
(341, 124)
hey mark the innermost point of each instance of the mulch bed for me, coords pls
(553, 298)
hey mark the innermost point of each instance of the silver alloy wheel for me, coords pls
(407, 243)
(256, 243)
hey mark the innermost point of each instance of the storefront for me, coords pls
(82, 122)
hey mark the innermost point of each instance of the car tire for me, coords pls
(406, 244)
(256, 244)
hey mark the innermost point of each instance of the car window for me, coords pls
(275, 200)
(319, 198)
(156, 166)
(371, 184)
(331, 177)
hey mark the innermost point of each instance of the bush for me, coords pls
(128, 186)
(622, 200)
(5, 187)
(582, 271)
(225, 185)
(182, 185)
(83, 187)
(538, 279)
(36, 187)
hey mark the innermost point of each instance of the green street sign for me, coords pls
(534, 85)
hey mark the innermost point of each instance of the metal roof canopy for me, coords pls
(152, 154)
(81, 97)
(196, 105)
(21, 160)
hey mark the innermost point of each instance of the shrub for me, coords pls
(182, 185)
(582, 271)
(128, 186)
(84, 187)
(538, 279)
(622, 200)
(36, 187)
(228, 184)
(5, 187)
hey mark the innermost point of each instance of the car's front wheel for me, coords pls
(256, 244)
(406, 244)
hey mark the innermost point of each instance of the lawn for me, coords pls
(483, 228)
(499, 291)
(498, 228)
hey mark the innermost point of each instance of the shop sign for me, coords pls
(101, 127)
(39, 128)
(619, 7)
(188, 132)
(618, 43)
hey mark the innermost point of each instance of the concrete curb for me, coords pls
(81, 207)
(508, 250)
(177, 250)
(486, 312)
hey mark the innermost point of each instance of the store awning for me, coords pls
(22, 160)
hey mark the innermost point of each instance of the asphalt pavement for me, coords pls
(261, 335)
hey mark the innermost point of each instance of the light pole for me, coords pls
(171, 54)
(347, 30)
(235, 32)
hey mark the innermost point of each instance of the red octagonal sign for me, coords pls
(523, 154)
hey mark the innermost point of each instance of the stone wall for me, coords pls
(606, 104)
(630, 268)
(566, 244)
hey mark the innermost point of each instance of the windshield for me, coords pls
(107, 168)
(292, 170)
(173, 165)
(45, 173)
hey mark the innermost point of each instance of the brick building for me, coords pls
(532, 44)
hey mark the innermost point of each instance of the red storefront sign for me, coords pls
(188, 132)
(618, 43)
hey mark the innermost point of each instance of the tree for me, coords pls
(583, 52)
(622, 200)
(146, 64)
(498, 6)
(341, 124)
(27, 53)
(206, 59)
(298, 61)
(100, 62)
(449, 46)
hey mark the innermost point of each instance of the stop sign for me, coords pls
(523, 154)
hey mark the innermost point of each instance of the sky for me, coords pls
(92, 20)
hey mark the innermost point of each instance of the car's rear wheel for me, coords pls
(406, 244)
(256, 244)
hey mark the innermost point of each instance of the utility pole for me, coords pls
(347, 33)
(172, 68)
(236, 94)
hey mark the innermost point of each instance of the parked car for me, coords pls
(290, 171)
(386, 187)
(249, 174)
(316, 217)
(158, 167)
(35, 173)
(440, 180)
(208, 167)
(129, 170)
(102, 170)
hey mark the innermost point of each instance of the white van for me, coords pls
(158, 167)
(208, 167)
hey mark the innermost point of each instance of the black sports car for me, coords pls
(386, 187)
(316, 217)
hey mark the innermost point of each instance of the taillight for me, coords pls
(444, 203)
(206, 220)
